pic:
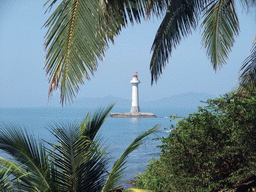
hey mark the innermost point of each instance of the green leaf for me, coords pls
(220, 27)
(248, 75)
(180, 18)
(118, 168)
(74, 45)
(27, 152)
(79, 160)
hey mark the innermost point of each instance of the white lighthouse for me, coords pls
(135, 93)
(135, 110)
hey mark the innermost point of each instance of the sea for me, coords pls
(116, 133)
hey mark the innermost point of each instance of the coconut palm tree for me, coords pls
(80, 31)
(75, 162)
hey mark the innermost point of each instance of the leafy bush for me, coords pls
(211, 150)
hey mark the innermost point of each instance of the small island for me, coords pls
(132, 115)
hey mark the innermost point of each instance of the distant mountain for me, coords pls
(190, 99)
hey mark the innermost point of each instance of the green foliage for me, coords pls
(211, 150)
(75, 162)
(248, 77)
(155, 178)
(220, 26)
(5, 183)
(79, 33)
(71, 55)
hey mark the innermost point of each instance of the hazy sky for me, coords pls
(23, 81)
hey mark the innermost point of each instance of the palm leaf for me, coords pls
(93, 174)
(13, 176)
(180, 18)
(248, 4)
(78, 36)
(79, 160)
(78, 165)
(117, 14)
(29, 153)
(220, 26)
(156, 8)
(74, 44)
(5, 183)
(118, 168)
(91, 125)
(248, 75)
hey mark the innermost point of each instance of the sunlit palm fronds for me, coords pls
(180, 18)
(74, 162)
(79, 33)
(74, 44)
(13, 176)
(92, 123)
(220, 27)
(5, 183)
(78, 161)
(78, 36)
(27, 152)
(78, 157)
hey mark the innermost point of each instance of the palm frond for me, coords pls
(180, 18)
(74, 44)
(124, 11)
(29, 153)
(220, 27)
(78, 35)
(5, 183)
(65, 156)
(92, 174)
(118, 168)
(156, 8)
(116, 14)
(247, 4)
(50, 5)
(248, 75)
(79, 160)
(91, 124)
(13, 176)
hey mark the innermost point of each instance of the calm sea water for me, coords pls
(117, 133)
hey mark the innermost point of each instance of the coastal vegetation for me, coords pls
(75, 161)
(210, 150)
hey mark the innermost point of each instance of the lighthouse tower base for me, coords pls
(135, 109)
(150, 115)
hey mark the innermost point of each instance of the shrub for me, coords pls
(210, 150)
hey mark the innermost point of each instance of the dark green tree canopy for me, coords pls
(211, 150)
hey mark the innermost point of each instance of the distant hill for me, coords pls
(190, 99)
